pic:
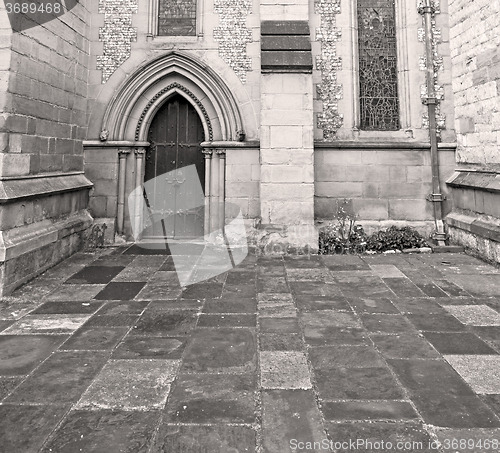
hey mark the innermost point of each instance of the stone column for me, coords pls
(139, 159)
(287, 148)
(208, 177)
(122, 172)
(222, 192)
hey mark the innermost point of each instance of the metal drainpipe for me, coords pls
(436, 197)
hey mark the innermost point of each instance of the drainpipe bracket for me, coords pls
(429, 100)
(426, 9)
(435, 197)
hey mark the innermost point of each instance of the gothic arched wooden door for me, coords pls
(175, 135)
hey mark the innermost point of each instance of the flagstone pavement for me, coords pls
(107, 353)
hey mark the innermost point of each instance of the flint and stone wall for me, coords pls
(43, 105)
(475, 28)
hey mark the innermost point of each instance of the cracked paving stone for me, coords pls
(237, 278)
(387, 323)
(493, 402)
(95, 338)
(59, 307)
(284, 370)
(217, 320)
(140, 384)
(209, 398)
(327, 357)
(402, 346)
(367, 305)
(75, 292)
(450, 288)
(4, 323)
(386, 271)
(368, 437)
(315, 289)
(8, 384)
(474, 315)
(312, 303)
(25, 428)
(306, 274)
(162, 322)
(417, 305)
(474, 440)
(136, 347)
(221, 350)
(21, 354)
(289, 415)
(369, 410)
(236, 292)
(203, 291)
(122, 320)
(267, 284)
(279, 325)
(63, 377)
(403, 287)
(95, 275)
(203, 439)
(248, 305)
(120, 291)
(436, 323)
(458, 343)
(126, 307)
(147, 249)
(46, 324)
(281, 342)
(158, 291)
(480, 285)
(357, 383)
(105, 431)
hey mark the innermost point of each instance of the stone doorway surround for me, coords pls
(129, 115)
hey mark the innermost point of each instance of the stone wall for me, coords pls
(44, 195)
(385, 185)
(474, 39)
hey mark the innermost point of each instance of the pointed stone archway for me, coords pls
(129, 116)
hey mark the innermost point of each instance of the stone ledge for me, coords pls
(43, 244)
(486, 227)
(14, 189)
(489, 182)
(18, 241)
(395, 145)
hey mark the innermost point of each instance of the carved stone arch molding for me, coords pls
(131, 110)
(163, 95)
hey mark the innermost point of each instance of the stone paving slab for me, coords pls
(106, 352)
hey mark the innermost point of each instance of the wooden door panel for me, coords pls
(175, 136)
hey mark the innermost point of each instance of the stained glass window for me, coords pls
(177, 18)
(378, 88)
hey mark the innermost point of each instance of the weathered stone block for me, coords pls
(371, 209)
(339, 189)
(238, 173)
(298, 192)
(416, 209)
(14, 164)
(282, 173)
(242, 189)
(286, 137)
(286, 117)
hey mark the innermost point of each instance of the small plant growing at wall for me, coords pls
(395, 238)
(95, 237)
(342, 235)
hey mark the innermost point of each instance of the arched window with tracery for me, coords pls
(378, 73)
